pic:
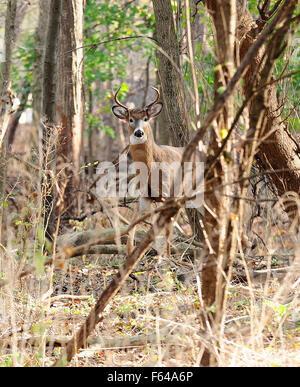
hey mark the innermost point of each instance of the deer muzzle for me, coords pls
(138, 133)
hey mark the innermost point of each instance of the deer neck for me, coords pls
(145, 152)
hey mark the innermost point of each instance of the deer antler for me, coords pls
(156, 99)
(117, 101)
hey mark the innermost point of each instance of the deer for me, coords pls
(143, 147)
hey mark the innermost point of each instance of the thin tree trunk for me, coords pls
(217, 218)
(176, 118)
(196, 26)
(6, 102)
(161, 128)
(49, 112)
(70, 103)
(50, 62)
(90, 157)
(147, 76)
(40, 44)
(14, 120)
(10, 34)
(169, 73)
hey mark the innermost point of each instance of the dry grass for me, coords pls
(155, 321)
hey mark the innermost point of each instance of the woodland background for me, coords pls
(228, 294)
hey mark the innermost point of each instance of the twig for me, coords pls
(95, 45)
(277, 270)
(15, 156)
(167, 336)
(121, 250)
(236, 197)
(66, 297)
(265, 12)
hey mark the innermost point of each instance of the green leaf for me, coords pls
(211, 309)
(279, 309)
(39, 262)
(218, 67)
(48, 245)
(40, 233)
(221, 89)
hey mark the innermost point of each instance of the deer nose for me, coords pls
(138, 133)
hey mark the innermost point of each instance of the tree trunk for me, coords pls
(40, 44)
(10, 34)
(90, 155)
(49, 112)
(176, 118)
(50, 62)
(197, 27)
(14, 120)
(219, 228)
(70, 102)
(217, 212)
(6, 102)
(161, 130)
(279, 150)
(169, 73)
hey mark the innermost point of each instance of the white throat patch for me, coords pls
(137, 140)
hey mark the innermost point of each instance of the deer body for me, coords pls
(149, 152)
(143, 148)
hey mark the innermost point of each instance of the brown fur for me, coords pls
(147, 152)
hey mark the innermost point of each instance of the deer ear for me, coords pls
(120, 112)
(154, 110)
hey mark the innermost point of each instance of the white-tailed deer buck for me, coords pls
(142, 145)
(143, 148)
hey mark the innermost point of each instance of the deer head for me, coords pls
(138, 118)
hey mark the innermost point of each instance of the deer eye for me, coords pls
(131, 120)
(145, 119)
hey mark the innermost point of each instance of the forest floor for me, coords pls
(155, 318)
(153, 322)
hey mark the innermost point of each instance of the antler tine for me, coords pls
(117, 101)
(157, 97)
